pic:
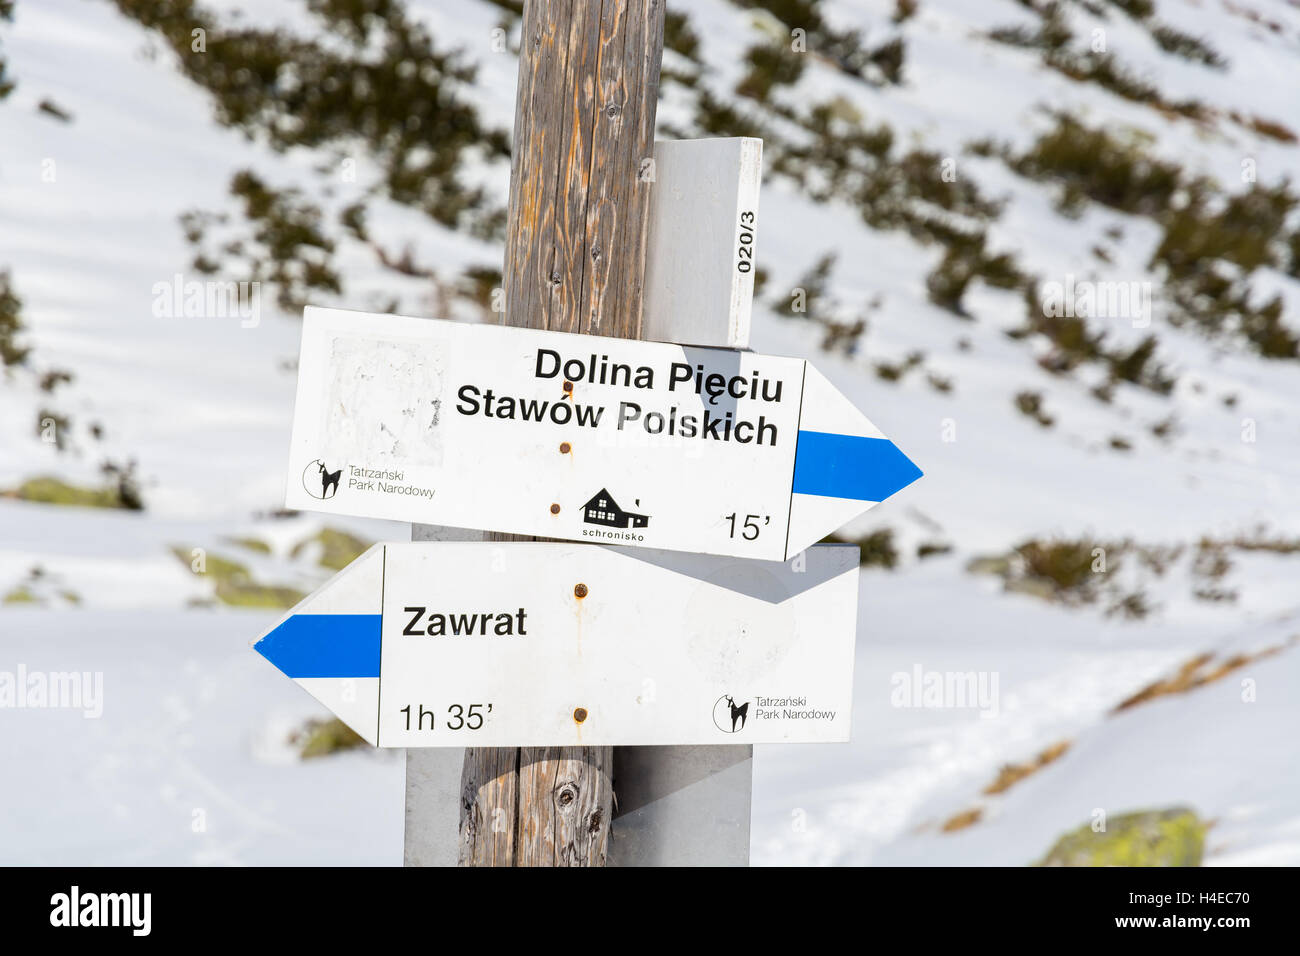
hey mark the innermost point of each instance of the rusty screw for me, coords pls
(555, 509)
(565, 448)
(580, 714)
(580, 590)
(568, 386)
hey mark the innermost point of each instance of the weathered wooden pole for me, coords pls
(575, 258)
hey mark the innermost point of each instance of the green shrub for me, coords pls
(930, 549)
(770, 65)
(55, 491)
(11, 352)
(1068, 565)
(904, 10)
(801, 14)
(1137, 9)
(1209, 246)
(947, 282)
(338, 548)
(1138, 366)
(679, 37)
(234, 583)
(6, 85)
(842, 337)
(714, 117)
(357, 84)
(1100, 166)
(1187, 46)
(1173, 837)
(1030, 404)
(373, 82)
(888, 58)
(53, 378)
(1052, 33)
(894, 373)
(320, 738)
(1073, 343)
(21, 595)
(1247, 229)
(877, 549)
(251, 544)
(813, 285)
(1052, 38)
(964, 261)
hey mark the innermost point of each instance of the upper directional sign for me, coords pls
(461, 644)
(567, 436)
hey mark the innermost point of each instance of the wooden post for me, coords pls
(676, 806)
(575, 257)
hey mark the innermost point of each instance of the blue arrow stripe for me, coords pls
(849, 466)
(325, 645)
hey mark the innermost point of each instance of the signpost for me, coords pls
(677, 805)
(464, 644)
(607, 441)
(563, 649)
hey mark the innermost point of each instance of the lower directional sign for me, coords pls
(538, 644)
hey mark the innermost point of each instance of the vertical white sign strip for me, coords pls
(702, 231)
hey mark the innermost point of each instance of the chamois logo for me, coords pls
(728, 716)
(319, 481)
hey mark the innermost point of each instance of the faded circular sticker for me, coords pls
(732, 638)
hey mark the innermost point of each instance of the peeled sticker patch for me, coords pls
(384, 401)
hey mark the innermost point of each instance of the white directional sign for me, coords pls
(600, 440)
(532, 644)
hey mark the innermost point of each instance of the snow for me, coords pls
(882, 798)
(186, 765)
(193, 721)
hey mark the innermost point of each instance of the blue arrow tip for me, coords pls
(325, 645)
(850, 466)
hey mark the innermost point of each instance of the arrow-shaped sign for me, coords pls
(602, 440)
(532, 644)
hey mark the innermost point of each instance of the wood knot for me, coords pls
(565, 795)
(594, 821)
(612, 110)
(555, 279)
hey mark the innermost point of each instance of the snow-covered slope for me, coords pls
(89, 228)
